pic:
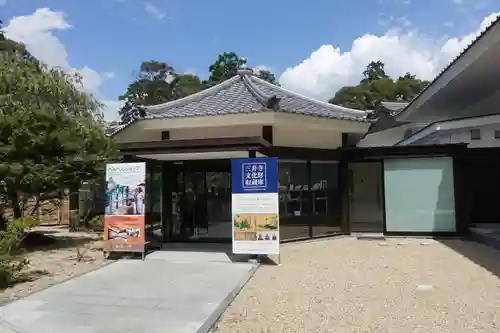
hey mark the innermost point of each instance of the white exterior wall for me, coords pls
(388, 137)
(216, 132)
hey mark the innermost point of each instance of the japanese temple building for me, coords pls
(327, 185)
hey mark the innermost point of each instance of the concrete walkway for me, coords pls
(168, 292)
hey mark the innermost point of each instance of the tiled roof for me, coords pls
(246, 93)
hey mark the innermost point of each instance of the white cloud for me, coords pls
(259, 68)
(36, 31)
(328, 68)
(154, 11)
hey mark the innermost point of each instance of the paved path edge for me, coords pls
(485, 240)
(219, 310)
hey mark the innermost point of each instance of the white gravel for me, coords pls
(349, 285)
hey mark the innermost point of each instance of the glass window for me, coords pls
(326, 198)
(475, 134)
(154, 224)
(419, 195)
(294, 199)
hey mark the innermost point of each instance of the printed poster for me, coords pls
(125, 207)
(255, 205)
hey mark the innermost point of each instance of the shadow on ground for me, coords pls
(38, 240)
(207, 248)
(482, 255)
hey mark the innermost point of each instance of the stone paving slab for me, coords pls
(151, 296)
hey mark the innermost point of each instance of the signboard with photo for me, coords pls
(255, 206)
(125, 207)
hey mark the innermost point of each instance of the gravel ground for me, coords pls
(349, 285)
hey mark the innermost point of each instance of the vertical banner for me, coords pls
(125, 207)
(255, 205)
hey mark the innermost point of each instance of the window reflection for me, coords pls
(294, 199)
(326, 198)
(154, 226)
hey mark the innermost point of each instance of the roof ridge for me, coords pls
(452, 62)
(334, 107)
(194, 97)
(268, 101)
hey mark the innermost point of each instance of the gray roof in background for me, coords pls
(394, 106)
(245, 93)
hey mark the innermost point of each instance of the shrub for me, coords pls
(96, 223)
(12, 261)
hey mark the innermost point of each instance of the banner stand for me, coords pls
(124, 220)
(255, 206)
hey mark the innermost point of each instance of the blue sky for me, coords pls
(297, 38)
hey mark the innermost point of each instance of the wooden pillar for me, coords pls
(345, 225)
(311, 198)
(168, 182)
(344, 196)
(461, 186)
(74, 207)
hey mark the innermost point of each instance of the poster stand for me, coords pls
(124, 220)
(255, 206)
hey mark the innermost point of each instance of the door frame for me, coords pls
(176, 168)
(380, 161)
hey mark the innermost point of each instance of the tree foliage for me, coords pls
(225, 67)
(267, 76)
(51, 133)
(377, 87)
(9, 47)
(157, 82)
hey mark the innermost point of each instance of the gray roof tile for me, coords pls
(245, 93)
(248, 94)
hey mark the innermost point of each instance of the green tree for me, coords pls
(52, 135)
(225, 67)
(9, 47)
(186, 84)
(153, 85)
(407, 87)
(267, 76)
(376, 87)
(156, 83)
(374, 71)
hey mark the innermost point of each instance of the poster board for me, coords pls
(255, 206)
(124, 219)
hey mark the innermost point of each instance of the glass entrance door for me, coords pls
(219, 205)
(365, 197)
(201, 206)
